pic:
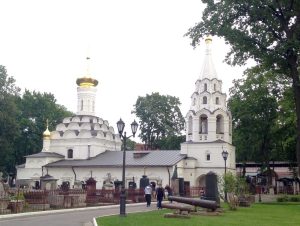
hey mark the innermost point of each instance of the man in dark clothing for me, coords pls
(160, 194)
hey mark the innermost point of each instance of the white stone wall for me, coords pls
(197, 165)
(86, 97)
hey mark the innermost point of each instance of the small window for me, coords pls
(81, 105)
(205, 87)
(215, 87)
(70, 153)
(207, 157)
(204, 100)
(217, 100)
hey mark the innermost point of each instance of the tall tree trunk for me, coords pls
(296, 88)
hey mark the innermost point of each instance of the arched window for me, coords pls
(205, 86)
(203, 124)
(215, 87)
(204, 100)
(70, 153)
(220, 124)
(217, 100)
(190, 125)
(207, 157)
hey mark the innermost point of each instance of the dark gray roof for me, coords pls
(206, 142)
(45, 154)
(133, 158)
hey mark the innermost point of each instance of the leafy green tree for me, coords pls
(35, 109)
(286, 130)
(254, 107)
(267, 31)
(159, 116)
(171, 142)
(8, 121)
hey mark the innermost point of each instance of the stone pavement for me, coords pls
(69, 217)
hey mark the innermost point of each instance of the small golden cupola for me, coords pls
(87, 80)
(208, 39)
(47, 133)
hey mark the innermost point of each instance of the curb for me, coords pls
(94, 222)
(39, 213)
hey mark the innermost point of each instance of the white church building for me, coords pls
(85, 145)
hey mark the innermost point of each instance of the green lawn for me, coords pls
(281, 214)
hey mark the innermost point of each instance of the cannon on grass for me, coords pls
(179, 209)
(207, 204)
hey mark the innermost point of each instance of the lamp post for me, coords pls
(225, 156)
(121, 125)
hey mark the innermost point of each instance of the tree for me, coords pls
(171, 142)
(160, 117)
(35, 109)
(254, 108)
(286, 130)
(266, 31)
(8, 120)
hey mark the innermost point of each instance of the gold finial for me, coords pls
(87, 81)
(47, 134)
(88, 66)
(208, 39)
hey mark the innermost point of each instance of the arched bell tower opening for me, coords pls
(203, 124)
(220, 124)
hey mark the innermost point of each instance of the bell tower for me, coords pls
(86, 93)
(208, 118)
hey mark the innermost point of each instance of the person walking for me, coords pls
(148, 192)
(160, 194)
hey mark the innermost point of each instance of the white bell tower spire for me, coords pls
(208, 119)
(86, 93)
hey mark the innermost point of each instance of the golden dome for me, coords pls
(208, 39)
(47, 133)
(86, 82)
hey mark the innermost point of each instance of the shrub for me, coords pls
(282, 198)
(294, 198)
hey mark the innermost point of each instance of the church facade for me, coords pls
(85, 145)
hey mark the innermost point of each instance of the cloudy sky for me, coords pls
(136, 48)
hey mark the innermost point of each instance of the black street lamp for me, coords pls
(121, 125)
(225, 156)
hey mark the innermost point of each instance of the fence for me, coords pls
(22, 200)
(26, 200)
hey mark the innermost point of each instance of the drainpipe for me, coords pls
(89, 151)
(75, 178)
(169, 176)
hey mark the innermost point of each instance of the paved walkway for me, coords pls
(68, 217)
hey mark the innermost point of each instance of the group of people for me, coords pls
(160, 194)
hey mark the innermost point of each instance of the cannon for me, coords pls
(178, 208)
(208, 204)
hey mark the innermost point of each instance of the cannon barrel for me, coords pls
(208, 204)
(177, 207)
